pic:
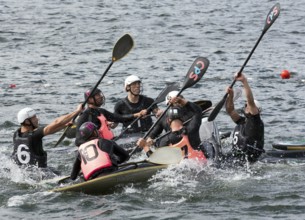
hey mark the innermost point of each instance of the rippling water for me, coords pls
(53, 50)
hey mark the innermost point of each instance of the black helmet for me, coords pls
(89, 91)
(174, 113)
(86, 130)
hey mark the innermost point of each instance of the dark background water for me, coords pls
(54, 50)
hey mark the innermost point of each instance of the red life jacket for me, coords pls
(104, 130)
(93, 158)
(190, 153)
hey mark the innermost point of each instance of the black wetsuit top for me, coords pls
(91, 114)
(124, 107)
(28, 148)
(248, 139)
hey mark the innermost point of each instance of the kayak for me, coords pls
(300, 154)
(129, 173)
(289, 146)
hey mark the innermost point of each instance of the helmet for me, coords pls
(174, 113)
(25, 113)
(86, 130)
(131, 79)
(170, 95)
(258, 105)
(88, 92)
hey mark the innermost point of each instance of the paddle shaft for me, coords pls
(121, 48)
(94, 88)
(271, 17)
(83, 105)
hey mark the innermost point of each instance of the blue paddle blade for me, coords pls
(272, 16)
(196, 71)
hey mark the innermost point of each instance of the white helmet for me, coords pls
(258, 105)
(131, 79)
(170, 95)
(25, 113)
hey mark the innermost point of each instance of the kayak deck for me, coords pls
(289, 146)
(132, 173)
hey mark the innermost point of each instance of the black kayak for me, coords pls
(286, 153)
(129, 173)
(289, 146)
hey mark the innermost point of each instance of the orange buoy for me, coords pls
(285, 74)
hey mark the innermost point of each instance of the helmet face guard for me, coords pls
(89, 91)
(96, 91)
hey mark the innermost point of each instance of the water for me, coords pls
(54, 50)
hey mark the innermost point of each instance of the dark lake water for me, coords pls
(54, 50)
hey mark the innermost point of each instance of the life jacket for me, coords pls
(93, 158)
(189, 152)
(104, 131)
(23, 154)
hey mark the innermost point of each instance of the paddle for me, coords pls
(166, 156)
(161, 97)
(121, 48)
(271, 17)
(204, 104)
(195, 73)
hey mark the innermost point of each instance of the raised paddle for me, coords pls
(161, 97)
(121, 49)
(271, 17)
(195, 73)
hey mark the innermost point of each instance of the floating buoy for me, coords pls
(7, 86)
(285, 74)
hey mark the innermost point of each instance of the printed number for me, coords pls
(89, 153)
(235, 138)
(23, 154)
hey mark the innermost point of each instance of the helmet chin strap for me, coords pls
(141, 90)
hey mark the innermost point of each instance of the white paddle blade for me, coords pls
(166, 155)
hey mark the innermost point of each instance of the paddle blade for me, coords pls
(166, 155)
(170, 87)
(204, 104)
(272, 16)
(196, 71)
(217, 108)
(122, 47)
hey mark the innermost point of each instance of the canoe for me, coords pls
(289, 146)
(130, 173)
